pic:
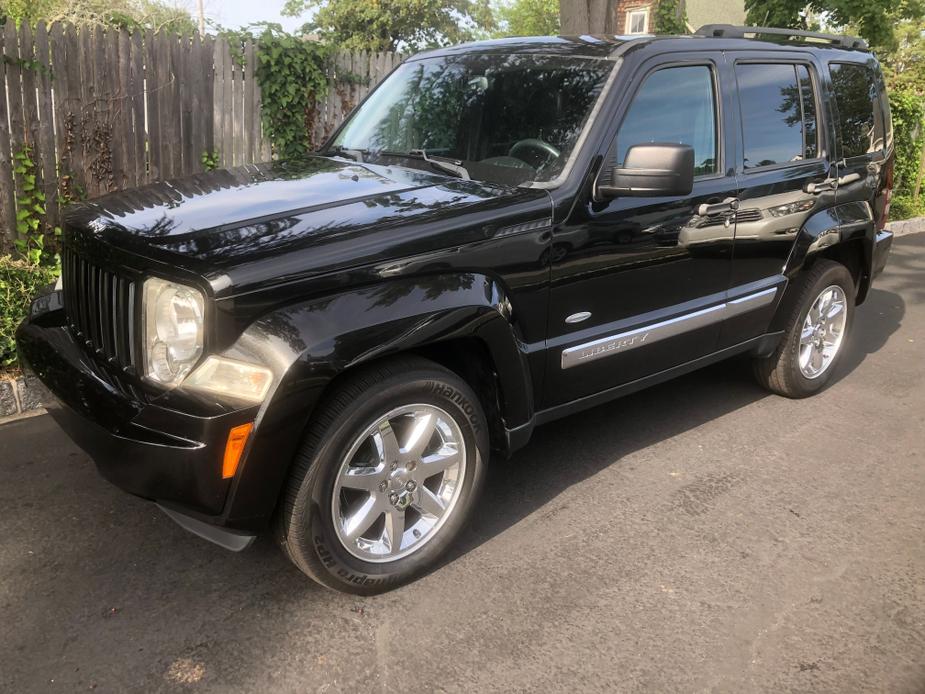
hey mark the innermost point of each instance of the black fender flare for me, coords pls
(309, 343)
(840, 224)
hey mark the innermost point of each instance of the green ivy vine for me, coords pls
(292, 76)
(670, 17)
(30, 207)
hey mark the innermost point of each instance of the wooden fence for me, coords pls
(104, 109)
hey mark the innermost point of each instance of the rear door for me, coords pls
(863, 137)
(784, 173)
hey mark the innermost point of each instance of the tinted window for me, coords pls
(509, 118)
(778, 114)
(675, 104)
(860, 117)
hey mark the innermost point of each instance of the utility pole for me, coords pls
(202, 19)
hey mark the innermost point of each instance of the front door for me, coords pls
(639, 284)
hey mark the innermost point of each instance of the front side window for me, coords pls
(510, 119)
(861, 126)
(637, 22)
(778, 106)
(678, 105)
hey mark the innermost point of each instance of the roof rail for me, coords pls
(740, 32)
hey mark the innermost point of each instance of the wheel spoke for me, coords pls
(421, 432)
(386, 443)
(429, 504)
(806, 337)
(437, 462)
(363, 478)
(834, 309)
(394, 529)
(816, 359)
(359, 521)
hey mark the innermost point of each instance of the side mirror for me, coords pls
(650, 171)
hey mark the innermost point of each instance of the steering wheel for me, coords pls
(547, 152)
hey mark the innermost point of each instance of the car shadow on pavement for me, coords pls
(571, 450)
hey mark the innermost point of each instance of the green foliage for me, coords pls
(670, 17)
(291, 73)
(30, 207)
(19, 282)
(905, 207)
(393, 25)
(529, 18)
(908, 111)
(875, 20)
(209, 160)
(159, 15)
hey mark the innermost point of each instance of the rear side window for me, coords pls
(861, 118)
(674, 104)
(778, 105)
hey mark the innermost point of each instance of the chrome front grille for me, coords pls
(100, 306)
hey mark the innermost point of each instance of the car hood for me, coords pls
(260, 222)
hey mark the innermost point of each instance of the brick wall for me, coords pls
(622, 7)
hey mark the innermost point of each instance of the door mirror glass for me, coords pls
(650, 170)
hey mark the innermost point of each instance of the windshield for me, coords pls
(510, 119)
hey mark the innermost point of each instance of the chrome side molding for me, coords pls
(625, 341)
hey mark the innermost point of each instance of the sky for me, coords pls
(237, 13)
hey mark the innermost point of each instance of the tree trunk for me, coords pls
(587, 16)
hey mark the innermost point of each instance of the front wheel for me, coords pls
(815, 333)
(386, 478)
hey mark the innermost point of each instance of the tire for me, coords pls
(783, 372)
(347, 446)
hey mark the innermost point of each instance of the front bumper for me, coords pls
(137, 442)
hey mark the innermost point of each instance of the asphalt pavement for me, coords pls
(699, 536)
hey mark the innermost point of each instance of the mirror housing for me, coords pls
(652, 170)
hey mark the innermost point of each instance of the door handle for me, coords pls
(727, 205)
(822, 187)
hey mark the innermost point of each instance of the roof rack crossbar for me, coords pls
(739, 32)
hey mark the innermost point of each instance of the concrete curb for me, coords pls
(23, 396)
(907, 226)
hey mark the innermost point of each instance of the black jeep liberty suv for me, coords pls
(501, 234)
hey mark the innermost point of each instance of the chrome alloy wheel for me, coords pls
(399, 483)
(823, 331)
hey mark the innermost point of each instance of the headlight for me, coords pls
(173, 330)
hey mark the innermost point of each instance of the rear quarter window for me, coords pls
(863, 125)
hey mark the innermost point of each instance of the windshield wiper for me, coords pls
(453, 167)
(355, 154)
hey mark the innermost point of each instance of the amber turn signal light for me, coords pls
(237, 438)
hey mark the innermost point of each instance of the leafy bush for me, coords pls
(908, 110)
(19, 282)
(905, 207)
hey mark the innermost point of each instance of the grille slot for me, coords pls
(100, 307)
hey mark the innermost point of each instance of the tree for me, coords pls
(875, 20)
(670, 17)
(149, 14)
(391, 25)
(529, 18)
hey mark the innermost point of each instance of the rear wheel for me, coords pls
(815, 333)
(389, 471)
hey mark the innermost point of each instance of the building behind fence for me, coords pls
(105, 109)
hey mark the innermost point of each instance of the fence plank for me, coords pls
(152, 81)
(207, 56)
(218, 113)
(57, 54)
(250, 125)
(227, 106)
(7, 205)
(186, 109)
(125, 140)
(136, 96)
